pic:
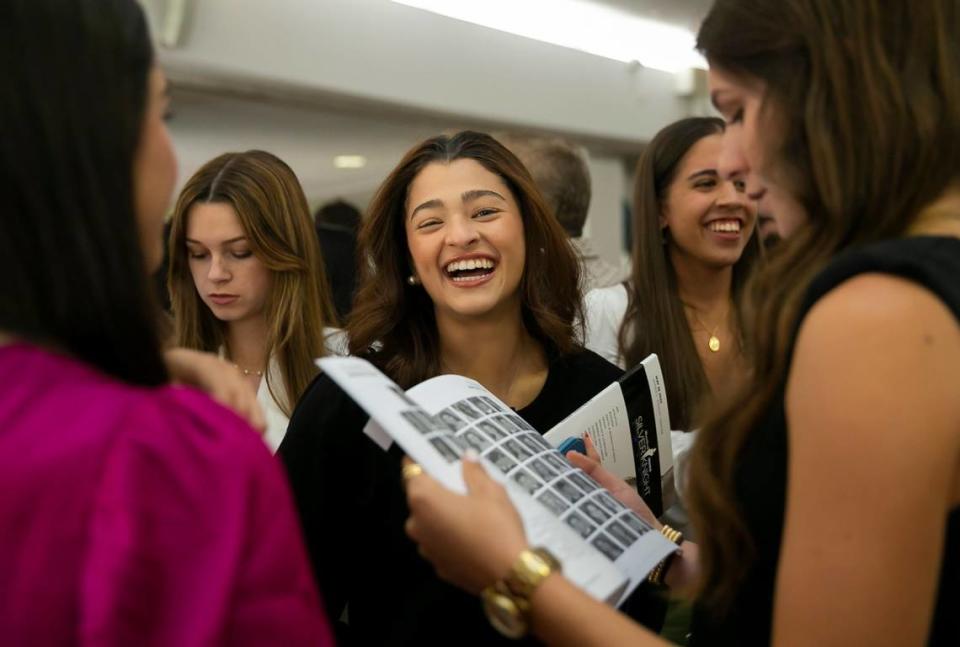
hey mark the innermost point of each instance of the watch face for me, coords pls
(504, 615)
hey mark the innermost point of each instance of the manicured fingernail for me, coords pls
(471, 455)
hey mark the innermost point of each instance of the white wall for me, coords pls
(380, 51)
(609, 188)
(395, 64)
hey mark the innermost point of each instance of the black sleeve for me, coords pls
(327, 458)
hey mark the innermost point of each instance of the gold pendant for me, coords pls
(714, 343)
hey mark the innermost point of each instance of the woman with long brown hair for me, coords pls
(827, 493)
(466, 271)
(246, 278)
(693, 248)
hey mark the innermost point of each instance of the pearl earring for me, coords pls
(412, 279)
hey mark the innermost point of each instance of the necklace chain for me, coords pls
(714, 342)
(513, 378)
(517, 360)
(247, 372)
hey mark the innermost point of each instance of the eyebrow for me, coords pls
(429, 204)
(226, 242)
(707, 172)
(466, 196)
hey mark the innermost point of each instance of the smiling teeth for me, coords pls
(728, 226)
(471, 264)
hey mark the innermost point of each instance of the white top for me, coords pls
(597, 272)
(277, 421)
(604, 310)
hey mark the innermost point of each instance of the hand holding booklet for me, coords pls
(605, 548)
(629, 425)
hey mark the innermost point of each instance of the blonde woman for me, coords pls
(246, 278)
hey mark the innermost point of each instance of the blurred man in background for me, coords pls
(560, 171)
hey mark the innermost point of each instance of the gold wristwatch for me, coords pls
(507, 601)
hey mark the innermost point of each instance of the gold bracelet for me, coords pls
(660, 570)
(672, 534)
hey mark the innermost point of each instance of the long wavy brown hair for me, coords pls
(655, 321)
(272, 209)
(867, 112)
(393, 322)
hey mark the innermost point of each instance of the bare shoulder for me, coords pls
(880, 312)
(878, 356)
(873, 425)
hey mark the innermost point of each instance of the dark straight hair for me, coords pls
(655, 321)
(71, 112)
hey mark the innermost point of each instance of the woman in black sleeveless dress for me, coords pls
(826, 497)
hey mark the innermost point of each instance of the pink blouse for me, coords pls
(133, 516)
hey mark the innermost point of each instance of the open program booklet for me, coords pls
(605, 548)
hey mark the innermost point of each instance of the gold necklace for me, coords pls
(517, 361)
(513, 378)
(247, 372)
(714, 342)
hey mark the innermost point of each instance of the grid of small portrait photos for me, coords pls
(519, 451)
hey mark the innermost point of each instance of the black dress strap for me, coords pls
(931, 261)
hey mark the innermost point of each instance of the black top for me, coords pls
(353, 510)
(934, 263)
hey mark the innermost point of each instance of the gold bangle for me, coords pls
(672, 534)
(656, 575)
(660, 570)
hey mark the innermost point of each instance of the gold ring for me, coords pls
(411, 470)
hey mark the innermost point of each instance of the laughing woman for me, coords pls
(470, 274)
(246, 279)
(693, 248)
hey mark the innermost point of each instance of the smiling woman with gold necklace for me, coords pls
(693, 246)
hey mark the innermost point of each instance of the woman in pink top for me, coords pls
(131, 512)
